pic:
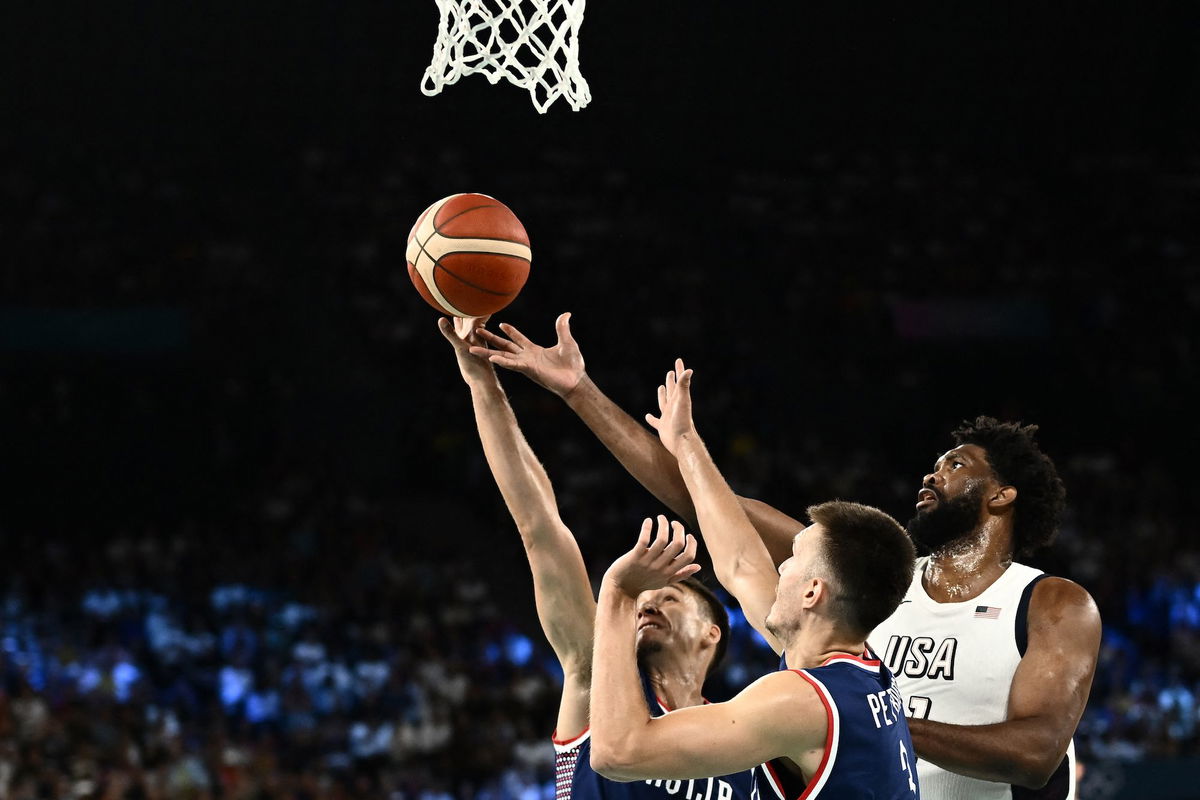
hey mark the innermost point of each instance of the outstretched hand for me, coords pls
(463, 334)
(558, 368)
(674, 408)
(654, 564)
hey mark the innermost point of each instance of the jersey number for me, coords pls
(907, 768)
(918, 707)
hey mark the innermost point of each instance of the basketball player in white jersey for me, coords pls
(973, 619)
(1003, 732)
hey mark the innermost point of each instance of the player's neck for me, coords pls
(817, 642)
(676, 685)
(964, 568)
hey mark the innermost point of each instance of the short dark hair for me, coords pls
(1014, 456)
(871, 559)
(718, 614)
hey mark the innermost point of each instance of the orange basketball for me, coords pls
(468, 255)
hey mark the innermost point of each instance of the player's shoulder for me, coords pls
(1061, 602)
(783, 683)
(807, 704)
(793, 689)
(1053, 591)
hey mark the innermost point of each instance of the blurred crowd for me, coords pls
(326, 661)
(266, 560)
(338, 668)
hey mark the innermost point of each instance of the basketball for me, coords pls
(468, 255)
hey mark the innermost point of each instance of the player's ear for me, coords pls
(814, 592)
(1003, 498)
(714, 634)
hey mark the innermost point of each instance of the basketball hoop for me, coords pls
(532, 43)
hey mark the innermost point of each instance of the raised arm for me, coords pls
(1049, 690)
(562, 590)
(739, 558)
(561, 370)
(778, 715)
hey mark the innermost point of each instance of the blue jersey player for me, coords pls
(680, 630)
(831, 723)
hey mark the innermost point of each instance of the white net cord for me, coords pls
(532, 43)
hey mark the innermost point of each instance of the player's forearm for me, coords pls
(618, 710)
(731, 539)
(643, 456)
(775, 528)
(522, 481)
(638, 450)
(562, 591)
(1020, 752)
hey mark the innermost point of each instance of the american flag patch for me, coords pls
(987, 612)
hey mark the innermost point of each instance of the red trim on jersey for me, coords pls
(776, 783)
(812, 782)
(668, 709)
(863, 659)
(563, 742)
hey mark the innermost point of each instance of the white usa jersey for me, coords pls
(954, 663)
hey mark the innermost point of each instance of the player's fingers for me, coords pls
(662, 398)
(506, 361)
(671, 548)
(562, 326)
(678, 368)
(662, 535)
(689, 549)
(684, 573)
(483, 352)
(644, 535)
(447, 329)
(652, 421)
(521, 339)
(685, 381)
(498, 342)
(477, 328)
(678, 540)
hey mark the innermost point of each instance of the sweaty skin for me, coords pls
(1050, 688)
(1051, 685)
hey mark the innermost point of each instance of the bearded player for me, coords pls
(993, 708)
(681, 630)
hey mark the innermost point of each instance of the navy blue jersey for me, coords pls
(576, 780)
(868, 750)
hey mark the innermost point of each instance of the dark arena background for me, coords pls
(251, 547)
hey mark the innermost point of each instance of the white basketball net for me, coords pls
(532, 43)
